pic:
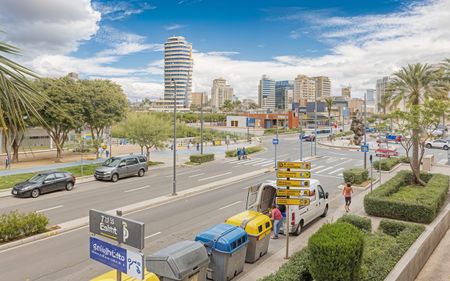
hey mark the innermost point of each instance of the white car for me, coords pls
(262, 197)
(440, 143)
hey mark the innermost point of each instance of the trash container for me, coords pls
(226, 244)
(183, 261)
(258, 227)
(112, 276)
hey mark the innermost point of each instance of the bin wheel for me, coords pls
(299, 229)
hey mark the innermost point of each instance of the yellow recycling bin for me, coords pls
(258, 227)
(111, 276)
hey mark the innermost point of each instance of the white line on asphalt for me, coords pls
(48, 209)
(315, 168)
(184, 173)
(340, 174)
(331, 160)
(196, 175)
(262, 164)
(229, 205)
(323, 170)
(152, 235)
(138, 188)
(284, 155)
(254, 162)
(335, 171)
(216, 176)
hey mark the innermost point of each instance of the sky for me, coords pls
(353, 42)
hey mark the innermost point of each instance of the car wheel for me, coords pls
(114, 177)
(445, 147)
(141, 173)
(299, 229)
(35, 193)
(69, 186)
(325, 212)
(428, 145)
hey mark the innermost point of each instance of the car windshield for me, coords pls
(37, 178)
(112, 162)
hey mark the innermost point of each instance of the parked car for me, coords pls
(43, 183)
(439, 143)
(119, 167)
(385, 152)
(309, 137)
(371, 130)
(395, 138)
(261, 198)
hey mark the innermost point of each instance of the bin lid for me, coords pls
(112, 276)
(178, 260)
(224, 238)
(254, 223)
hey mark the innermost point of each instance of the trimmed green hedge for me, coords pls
(362, 223)
(356, 175)
(296, 269)
(385, 164)
(201, 158)
(394, 228)
(15, 225)
(335, 252)
(404, 159)
(250, 150)
(396, 199)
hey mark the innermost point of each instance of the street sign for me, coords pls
(365, 148)
(275, 141)
(294, 165)
(126, 261)
(293, 201)
(289, 174)
(293, 183)
(293, 192)
(120, 229)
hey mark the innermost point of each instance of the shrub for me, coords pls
(404, 159)
(201, 158)
(335, 252)
(250, 150)
(356, 175)
(296, 269)
(394, 228)
(385, 164)
(14, 225)
(362, 223)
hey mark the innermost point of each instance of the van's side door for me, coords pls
(122, 169)
(321, 201)
(132, 166)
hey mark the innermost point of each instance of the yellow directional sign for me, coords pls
(293, 201)
(294, 165)
(293, 183)
(289, 174)
(293, 192)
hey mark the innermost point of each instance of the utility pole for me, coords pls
(201, 124)
(276, 137)
(365, 129)
(248, 127)
(174, 182)
(300, 117)
(315, 123)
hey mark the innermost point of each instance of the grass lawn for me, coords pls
(154, 163)
(413, 194)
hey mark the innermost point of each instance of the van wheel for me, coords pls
(141, 173)
(114, 177)
(428, 145)
(69, 186)
(299, 229)
(35, 193)
(445, 147)
(325, 212)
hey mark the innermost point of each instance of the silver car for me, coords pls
(119, 167)
(440, 143)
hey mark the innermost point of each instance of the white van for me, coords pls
(261, 197)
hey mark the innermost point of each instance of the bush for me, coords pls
(356, 175)
(296, 269)
(404, 159)
(201, 158)
(362, 223)
(335, 252)
(250, 150)
(14, 225)
(385, 164)
(394, 228)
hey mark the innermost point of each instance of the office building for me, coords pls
(380, 93)
(346, 92)
(220, 92)
(284, 94)
(178, 64)
(304, 89)
(197, 98)
(323, 86)
(266, 93)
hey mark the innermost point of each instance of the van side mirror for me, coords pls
(326, 195)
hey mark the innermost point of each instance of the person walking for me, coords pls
(107, 153)
(244, 153)
(6, 163)
(277, 219)
(198, 146)
(283, 227)
(239, 153)
(347, 192)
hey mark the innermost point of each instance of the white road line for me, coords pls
(193, 176)
(138, 188)
(216, 176)
(264, 163)
(315, 168)
(331, 160)
(152, 235)
(326, 169)
(335, 171)
(340, 175)
(254, 162)
(48, 209)
(284, 155)
(184, 173)
(229, 205)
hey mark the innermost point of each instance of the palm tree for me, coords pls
(329, 104)
(445, 66)
(414, 84)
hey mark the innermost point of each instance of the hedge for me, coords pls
(14, 225)
(404, 159)
(356, 175)
(362, 223)
(250, 150)
(201, 158)
(385, 164)
(296, 269)
(394, 228)
(335, 252)
(396, 199)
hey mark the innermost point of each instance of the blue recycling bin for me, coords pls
(226, 245)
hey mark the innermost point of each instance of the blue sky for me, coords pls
(353, 42)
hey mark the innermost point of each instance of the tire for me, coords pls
(114, 177)
(325, 212)
(141, 173)
(428, 145)
(445, 147)
(69, 186)
(299, 229)
(35, 193)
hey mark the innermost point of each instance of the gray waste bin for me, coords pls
(183, 261)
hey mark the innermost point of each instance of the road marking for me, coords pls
(264, 163)
(254, 162)
(335, 171)
(315, 168)
(48, 209)
(138, 188)
(216, 176)
(331, 160)
(284, 155)
(326, 169)
(152, 235)
(229, 205)
(184, 173)
(193, 176)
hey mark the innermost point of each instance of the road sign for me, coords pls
(289, 174)
(365, 148)
(275, 141)
(293, 183)
(293, 192)
(123, 260)
(293, 201)
(294, 165)
(120, 229)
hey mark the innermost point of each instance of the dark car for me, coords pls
(43, 183)
(310, 137)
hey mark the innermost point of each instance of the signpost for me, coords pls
(294, 165)
(365, 148)
(275, 141)
(293, 183)
(286, 174)
(293, 201)
(293, 192)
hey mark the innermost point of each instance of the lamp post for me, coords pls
(201, 124)
(174, 182)
(315, 123)
(365, 130)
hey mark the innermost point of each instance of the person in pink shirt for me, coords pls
(277, 219)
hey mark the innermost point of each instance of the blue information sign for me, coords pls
(108, 254)
(364, 148)
(251, 122)
(275, 141)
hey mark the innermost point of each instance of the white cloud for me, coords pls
(139, 88)
(174, 26)
(117, 10)
(294, 34)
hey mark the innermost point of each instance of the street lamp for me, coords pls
(174, 183)
(315, 123)
(201, 124)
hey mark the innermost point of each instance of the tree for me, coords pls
(227, 106)
(253, 106)
(63, 111)
(329, 104)
(237, 105)
(384, 102)
(103, 104)
(415, 84)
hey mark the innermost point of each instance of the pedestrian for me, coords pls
(239, 153)
(188, 145)
(198, 146)
(107, 153)
(6, 162)
(244, 153)
(283, 227)
(277, 219)
(347, 192)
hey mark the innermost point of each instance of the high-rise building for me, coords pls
(284, 94)
(220, 92)
(178, 64)
(346, 92)
(380, 93)
(304, 89)
(197, 98)
(323, 86)
(266, 93)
